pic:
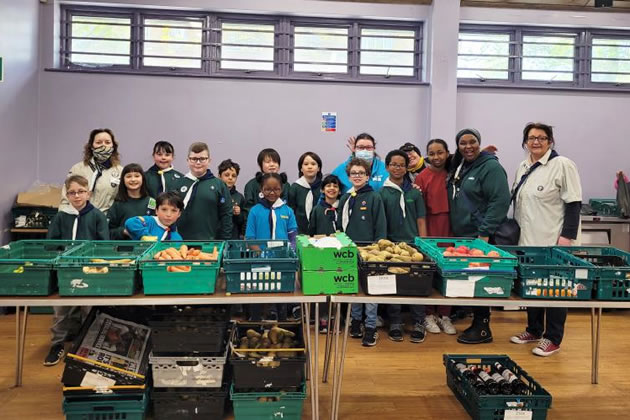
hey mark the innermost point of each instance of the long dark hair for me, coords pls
(123, 194)
(313, 156)
(87, 149)
(449, 158)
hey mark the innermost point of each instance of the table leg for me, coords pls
(22, 342)
(309, 343)
(315, 378)
(18, 343)
(328, 348)
(334, 387)
(341, 364)
(597, 341)
(593, 340)
(304, 334)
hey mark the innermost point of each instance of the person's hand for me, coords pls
(351, 142)
(484, 238)
(416, 186)
(236, 210)
(126, 233)
(619, 173)
(491, 148)
(562, 241)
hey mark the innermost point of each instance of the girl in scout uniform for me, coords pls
(207, 204)
(404, 211)
(132, 200)
(363, 219)
(304, 193)
(101, 167)
(269, 163)
(162, 177)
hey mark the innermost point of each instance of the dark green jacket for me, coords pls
(367, 222)
(92, 225)
(252, 189)
(120, 211)
(482, 198)
(401, 229)
(297, 201)
(238, 222)
(172, 178)
(209, 212)
(321, 223)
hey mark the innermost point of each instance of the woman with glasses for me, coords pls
(101, 167)
(207, 202)
(547, 208)
(363, 147)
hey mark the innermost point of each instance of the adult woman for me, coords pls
(416, 161)
(547, 208)
(101, 167)
(363, 147)
(479, 198)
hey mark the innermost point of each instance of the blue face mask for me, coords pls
(365, 155)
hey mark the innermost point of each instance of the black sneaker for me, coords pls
(296, 313)
(478, 333)
(356, 330)
(418, 334)
(395, 333)
(323, 326)
(55, 355)
(369, 337)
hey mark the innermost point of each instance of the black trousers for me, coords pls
(481, 312)
(552, 326)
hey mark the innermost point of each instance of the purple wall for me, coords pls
(18, 102)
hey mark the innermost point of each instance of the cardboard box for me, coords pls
(43, 195)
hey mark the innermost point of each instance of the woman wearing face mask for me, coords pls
(363, 147)
(479, 199)
(101, 167)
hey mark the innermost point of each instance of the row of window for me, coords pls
(261, 46)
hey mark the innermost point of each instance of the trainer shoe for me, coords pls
(545, 348)
(395, 332)
(418, 333)
(369, 337)
(55, 355)
(356, 330)
(431, 325)
(323, 326)
(380, 323)
(446, 325)
(524, 338)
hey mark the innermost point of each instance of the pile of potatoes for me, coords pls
(387, 251)
(270, 339)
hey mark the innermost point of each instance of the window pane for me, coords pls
(483, 55)
(116, 33)
(178, 38)
(393, 47)
(611, 78)
(611, 66)
(320, 49)
(617, 51)
(249, 42)
(388, 71)
(536, 48)
(395, 59)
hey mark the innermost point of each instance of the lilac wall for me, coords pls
(18, 102)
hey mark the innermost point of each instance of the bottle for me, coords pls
(518, 387)
(504, 385)
(476, 382)
(492, 386)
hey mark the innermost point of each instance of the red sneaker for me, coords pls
(524, 338)
(545, 348)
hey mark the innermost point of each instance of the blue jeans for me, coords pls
(370, 313)
(417, 314)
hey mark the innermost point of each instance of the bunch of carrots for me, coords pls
(183, 253)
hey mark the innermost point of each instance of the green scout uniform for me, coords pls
(91, 225)
(402, 228)
(238, 222)
(479, 197)
(252, 191)
(120, 211)
(297, 201)
(324, 219)
(208, 213)
(367, 221)
(172, 179)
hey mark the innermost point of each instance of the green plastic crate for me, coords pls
(118, 406)
(313, 258)
(277, 405)
(495, 407)
(548, 273)
(330, 282)
(259, 266)
(27, 267)
(76, 268)
(612, 270)
(605, 206)
(475, 283)
(434, 247)
(201, 279)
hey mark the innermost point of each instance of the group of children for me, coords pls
(164, 204)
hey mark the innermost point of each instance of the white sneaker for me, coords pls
(446, 325)
(431, 325)
(380, 323)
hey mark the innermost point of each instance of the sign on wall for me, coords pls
(329, 122)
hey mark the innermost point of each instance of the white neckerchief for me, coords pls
(161, 172)
(346, 212)
(308, 203)
(279, 203)
(335, 205)
(390, 184)
(166, 228)
(189, 175)
(459, 169)
(75, 224)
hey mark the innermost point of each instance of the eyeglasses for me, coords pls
(198, 159)
(541, 139)
(271, 190)
(397, 166)
(357, 174)
(76, 193)
(364, 148)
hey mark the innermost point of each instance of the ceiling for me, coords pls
(583, 5)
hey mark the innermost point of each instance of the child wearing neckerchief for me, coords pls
(162, 177)
(228, 172)
(268, 162)
(304, 193)
(160, 227)
(324, 218)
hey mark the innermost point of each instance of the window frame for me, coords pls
(589, 35)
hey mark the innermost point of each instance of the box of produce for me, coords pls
(388, 268)
(330, 282)
(548, 273)
(106, 406)
(268, 405)
(493, 387)
(101, 268)
(466, 254)
(188, 404)
(181, 268)
(268, 355)
(605, 206)
(475, 283)
(259, 266)
(336, 252)
(27, 268)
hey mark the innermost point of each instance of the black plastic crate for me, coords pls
(281, 372)
(184, 404)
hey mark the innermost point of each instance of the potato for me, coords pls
(252, 333)
(363, 254)
(404, 253)
(397, 249)
(385, 242)
(417, 257)
(404, 258)
(377, 258)
(389, 249)
(398, 270)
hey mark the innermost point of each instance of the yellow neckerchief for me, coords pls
(418, 166)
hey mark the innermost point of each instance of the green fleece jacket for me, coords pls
(172, 178)
(120, 211)
(367, 222)
(297, 201)
(92, 225)
(324, 220)
(399, 228)
(479, 198)
(209, 211)
(238, 222)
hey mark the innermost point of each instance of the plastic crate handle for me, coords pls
(104, 408)
(187, 362)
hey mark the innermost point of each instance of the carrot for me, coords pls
(157, 256)
(166, 256)
(195, 252)
(172, 252)
(178, 269)
(183, 250)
